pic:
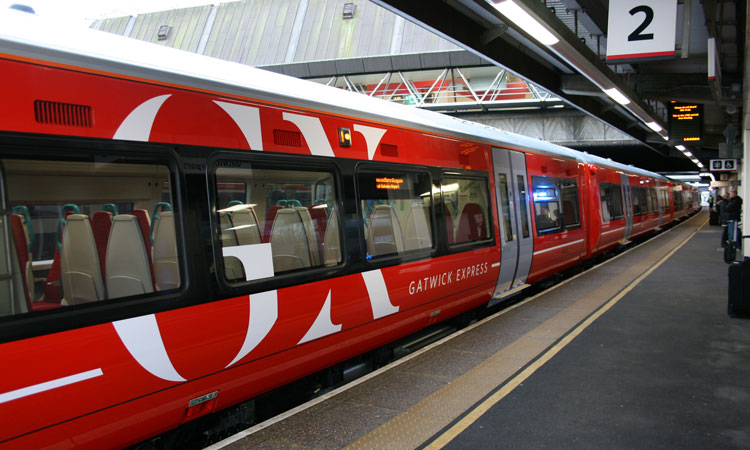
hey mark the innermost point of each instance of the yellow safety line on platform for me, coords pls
(488, 403)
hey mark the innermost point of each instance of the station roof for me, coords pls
(574, 69)
(316, 36)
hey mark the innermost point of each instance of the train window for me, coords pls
(504, 201)
(87, 231)
(569, 197)
(284, 220)
(466, 209)
(396, 211)
(677, 198)
(546, 204)
(523, 199)
(653, 204)
(640, 200)
(611, 195)
(664, 192)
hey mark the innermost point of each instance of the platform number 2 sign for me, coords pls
(641, 30)
(637, 34)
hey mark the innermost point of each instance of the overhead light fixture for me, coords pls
(525, 21)
(654, 126)
(688, 154)
(617, 96)
(680, 147)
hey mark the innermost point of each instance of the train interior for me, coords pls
(85, 231)
(295, 211)
(107, 228)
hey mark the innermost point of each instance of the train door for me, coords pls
(516, 241)
(626, 194)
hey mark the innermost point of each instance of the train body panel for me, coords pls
(267, 229)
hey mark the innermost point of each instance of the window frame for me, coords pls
(406, 255)
(614, 187)
(45, 148)
(558, 199)
(272, 161)
(454, 247)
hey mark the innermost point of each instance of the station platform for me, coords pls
(637, 352)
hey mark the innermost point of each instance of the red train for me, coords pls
(182, 234)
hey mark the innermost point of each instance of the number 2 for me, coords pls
(637, 34)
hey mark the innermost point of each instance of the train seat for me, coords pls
(289, 244)
(270, 217)
(19, 303)
(144, 223)
(101, 224)
(569, 215)
(449, 227)
(331, 240)
(319, 216)
(245, 224)
(164, 253)
(80, 273)
(471, 224)
(22, 254)
(232, 266)
(312, 235)
(128, 267)
(417, 233)
(384, 233)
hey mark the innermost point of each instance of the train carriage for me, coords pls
(182, 234)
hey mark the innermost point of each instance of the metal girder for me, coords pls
(469, 31)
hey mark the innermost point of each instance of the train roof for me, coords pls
(38, 38)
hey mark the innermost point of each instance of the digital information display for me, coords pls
(685, 122)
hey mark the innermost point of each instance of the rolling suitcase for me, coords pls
(739, 290)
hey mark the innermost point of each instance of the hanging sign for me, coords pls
(723, 165)
(685, 122)
(641, 30)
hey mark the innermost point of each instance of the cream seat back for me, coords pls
(312, 236)
(417, 233)
(81, 275)
(331, 241)
(245, 225)
(232, 265)
(128, 268)
(166, 269)
(289, 241)
(384, 233)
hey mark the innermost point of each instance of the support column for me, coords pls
(745, 173)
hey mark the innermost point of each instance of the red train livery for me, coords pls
(182, 234)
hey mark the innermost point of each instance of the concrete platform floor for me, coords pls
(636, 353)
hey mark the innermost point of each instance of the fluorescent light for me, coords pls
(526, 22)
(688, 154)
(680, 147)
(654, 126)
(617, 96)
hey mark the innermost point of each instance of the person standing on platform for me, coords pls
(730, 214)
